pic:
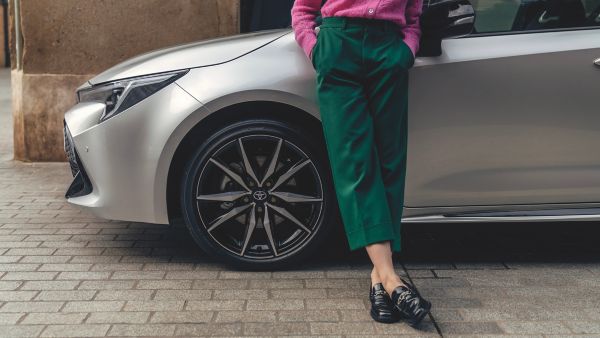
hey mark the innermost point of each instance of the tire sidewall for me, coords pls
(301, 138)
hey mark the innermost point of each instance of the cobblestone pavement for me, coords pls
(66, 273)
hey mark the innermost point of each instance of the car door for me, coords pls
(511, 113)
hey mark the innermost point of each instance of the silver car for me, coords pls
(225, 133)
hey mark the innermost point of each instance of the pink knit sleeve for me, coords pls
(412, 30)
(304, 13)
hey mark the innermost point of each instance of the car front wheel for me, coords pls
(256, 194)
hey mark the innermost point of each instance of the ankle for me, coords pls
(390, 282)
(375, 277)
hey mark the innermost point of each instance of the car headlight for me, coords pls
(123, 94)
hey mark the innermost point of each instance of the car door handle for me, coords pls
(597, 62)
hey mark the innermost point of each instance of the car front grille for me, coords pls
(70, 150)
(81, 184)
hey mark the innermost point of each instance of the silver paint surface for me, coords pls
(506, 122)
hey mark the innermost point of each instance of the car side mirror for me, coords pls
(443, 19)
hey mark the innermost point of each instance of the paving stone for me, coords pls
(210, 305)
(543, 327)
(27, 307)
(10, 285)
(275, 284)
(337, 283)
(183, 294)
(191, 274)
(341, 328)
(106, 285)
(45, 259)
(271, 304)
(7, 296)
(65, 267)
(164, 284)
(139, 330)
(10, 259)
(355, 315)
(138, 275)
(83, 275)
(19, 267)
(169, 266)
(221, 284)
(245, 316)
(584, 327)
(65, 295)
(297, 274)
(244, 275)
(93, 306)
(54, 318)
(335, 304)
(308, 315)
(29, 275)
(190, 317)
(124, 294)
(83, 330)
(240, 294)
(209, 329)
(10, 318)
(154, 305)
(470, 328)
(117, 267)
(118, 317)
(281, 328)
(425, 328)
(22, 330)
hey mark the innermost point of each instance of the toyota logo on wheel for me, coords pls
(259, 195)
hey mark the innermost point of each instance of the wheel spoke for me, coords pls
(230, 214)
(250, 230)
(269, 231)
(247, 165)
(288, 174)
(231, 174)
(283, 212)
(226, 196)
(295, 198)
(273, 163)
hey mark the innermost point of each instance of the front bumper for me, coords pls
(81, 184)
(120, 166)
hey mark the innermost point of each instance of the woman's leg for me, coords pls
(383, 268)
(350, 135)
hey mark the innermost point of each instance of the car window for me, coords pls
(522, 15)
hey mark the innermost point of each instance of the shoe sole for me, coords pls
(414, 322)
(386, 320)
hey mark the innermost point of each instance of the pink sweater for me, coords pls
(403, 12)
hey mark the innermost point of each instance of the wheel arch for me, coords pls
(261, 109)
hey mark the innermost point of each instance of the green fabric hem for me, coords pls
(374, 233)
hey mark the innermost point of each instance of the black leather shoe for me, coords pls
(410, 304)
(382, 309)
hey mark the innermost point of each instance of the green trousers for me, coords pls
(362, 91)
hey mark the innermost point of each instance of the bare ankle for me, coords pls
(375, 277)
(390, 282)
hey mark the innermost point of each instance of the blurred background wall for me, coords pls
(56, 45)
(4, 59)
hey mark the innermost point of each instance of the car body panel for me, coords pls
(514, 121)
(126, 157)
(198, 54)
(460, 158)
(277, 72)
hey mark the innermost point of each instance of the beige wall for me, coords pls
(64, 42)
(2, 52)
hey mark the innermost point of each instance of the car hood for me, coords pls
(198, 54)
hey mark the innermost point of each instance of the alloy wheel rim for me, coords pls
(259, 197)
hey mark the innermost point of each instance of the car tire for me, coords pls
(232, 187)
